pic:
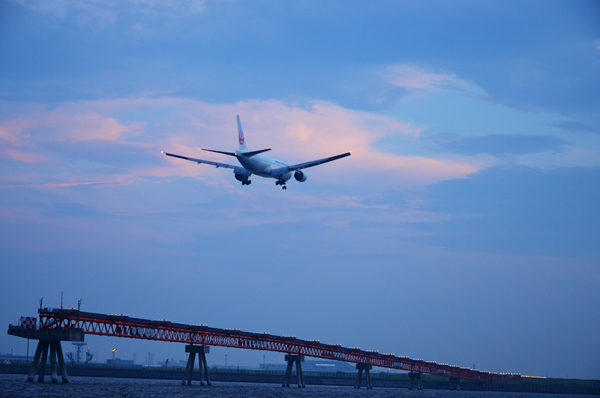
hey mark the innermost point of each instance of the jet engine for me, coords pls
(243, 178)
(300, 176)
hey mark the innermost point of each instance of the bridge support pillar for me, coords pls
(454, 383)
(291, 359)
(415, 378)
(48, 340)
(201, 350)
(367, 369)
(40, 359)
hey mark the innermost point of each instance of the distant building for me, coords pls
(314, 366)
(119, 362)
(8, 359)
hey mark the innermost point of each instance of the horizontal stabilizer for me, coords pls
(252, 153)
(224, 153)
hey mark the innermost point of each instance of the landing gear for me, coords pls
(282, 183)
(243, 178)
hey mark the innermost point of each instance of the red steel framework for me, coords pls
(125, 326)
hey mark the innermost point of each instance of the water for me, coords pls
(16, 386)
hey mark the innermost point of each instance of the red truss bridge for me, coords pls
(71, 321)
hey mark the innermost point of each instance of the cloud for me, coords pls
(57, 8)
(106, 12)
(414, 78)
(577, 126)
(73, 122)
(185, 6)
(75, 210)
(499, 145)
(520, 210)
(92, 126)
(20, 156)
(84, 12)
(62, 184)
(122, 139)
(324, 129)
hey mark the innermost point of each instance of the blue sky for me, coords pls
(463, 229)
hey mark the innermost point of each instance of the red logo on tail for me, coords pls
(241, 138)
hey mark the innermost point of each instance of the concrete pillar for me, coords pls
(48, 343)
(205, 363)
(36, 362)
(42, 368)
(415, 378)
(301, 383)
(291, 359)
(53, 373)
(189, 369)
(358, 377)
(61, 362)
(40, 359)
(367, 369)
(202, 364)
(288, 373)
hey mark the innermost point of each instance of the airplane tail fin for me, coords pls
(241, 138)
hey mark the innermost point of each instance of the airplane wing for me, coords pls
(305, 165)
(236, 169)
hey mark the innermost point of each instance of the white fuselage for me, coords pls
(262, 165)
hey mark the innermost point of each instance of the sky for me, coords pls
(463, 229)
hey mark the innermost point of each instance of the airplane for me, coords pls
(254, 162)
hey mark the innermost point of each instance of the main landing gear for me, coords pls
(282, 183)
(247, 182)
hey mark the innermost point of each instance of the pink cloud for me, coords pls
(63, 184)
(68, 123)
(184, 126)
(93, 126)
(21, 156)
